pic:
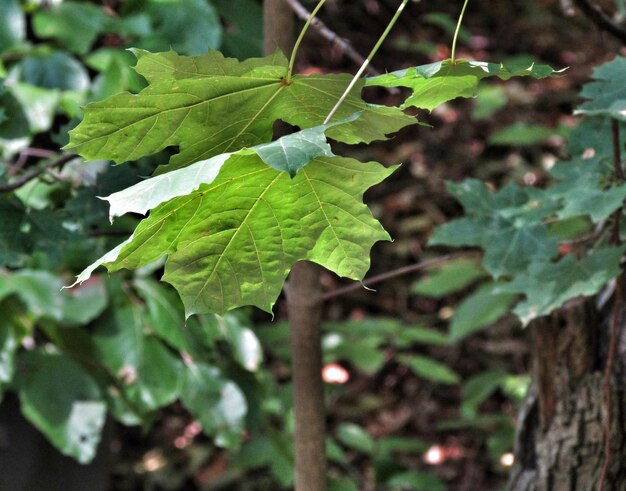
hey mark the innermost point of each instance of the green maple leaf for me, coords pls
(507, 224)
(548, 286)
(443, 81)
(233, 226)
(583, 183)
(288, 154)
(607, 93)
(208, 105)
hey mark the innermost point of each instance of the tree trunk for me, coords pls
(304, 304)
(560, 439)
(304, 301)
(277, 27)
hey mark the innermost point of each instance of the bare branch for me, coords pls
(411, 268)
(329, 35)
(601, 19)
(35, 173)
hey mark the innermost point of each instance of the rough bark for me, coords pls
(560, 440)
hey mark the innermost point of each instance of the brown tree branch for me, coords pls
(411, 268)
(33, 174)
(601, 19)
(330, 35)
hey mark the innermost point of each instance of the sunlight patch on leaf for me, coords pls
(233, 241)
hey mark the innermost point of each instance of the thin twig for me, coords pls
(33, 174)
(23, 157)
(365, 64)
(601, 19)
(411, 268)
(330, 35)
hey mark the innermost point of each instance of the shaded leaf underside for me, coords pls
(606, 95)
(510, 225)
(548, 286)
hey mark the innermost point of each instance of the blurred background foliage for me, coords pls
(424, 375)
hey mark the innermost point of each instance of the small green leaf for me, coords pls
(56, 70)
(12, 24)
(442, 81)
(521, 134)
(165, 311)
(84, 304)
(63, 402)
(75, 25)
(219, 405)
(148, 372)
(548, 286)
(39, 105)
(393, 444)
(491, 98)
(429, 369)
(409, 336)
(479, 310)
(39, 290)
(189, 26)
(516, 386)
(606, 95)
(244, 36)
(355, 437)
(364, 353)
(570, 228)
(246, 347)
(478, 388)
(335, 452)
(451, 277)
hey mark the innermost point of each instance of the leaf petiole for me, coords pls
(358, 74)
(296, 45)
(456, 32)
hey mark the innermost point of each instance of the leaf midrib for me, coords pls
(187, 107)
